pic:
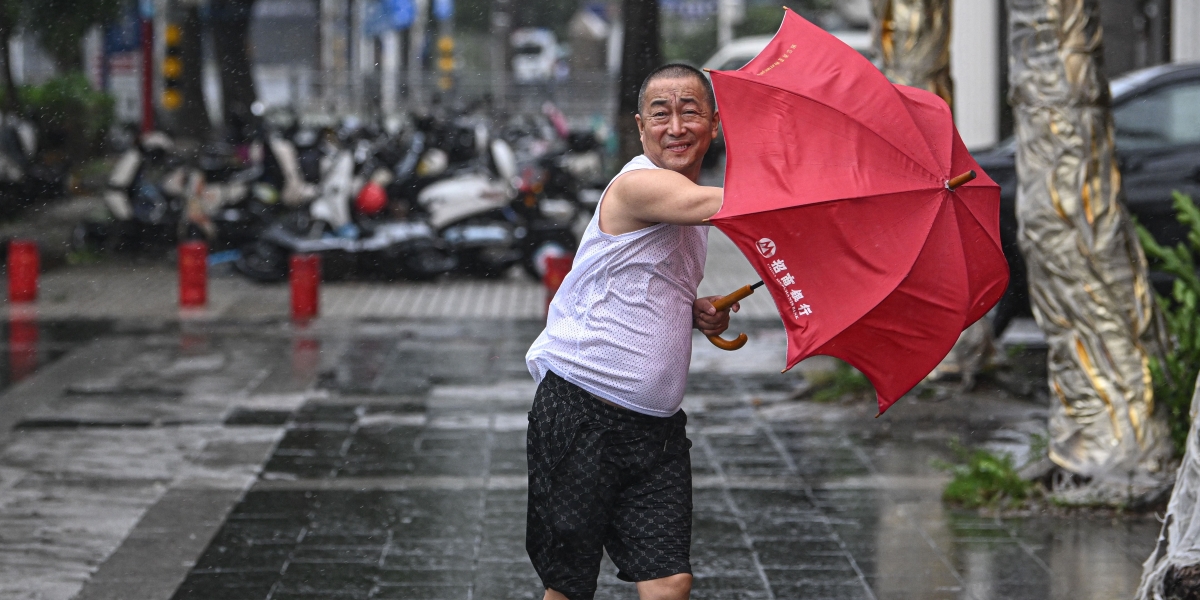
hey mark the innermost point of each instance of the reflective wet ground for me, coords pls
(359, 459)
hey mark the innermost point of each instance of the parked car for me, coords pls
(534, 54)
(1156, 113)
(737, 53)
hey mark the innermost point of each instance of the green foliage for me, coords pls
(986, 480)
(843, 380)
(1175, 375)
(71, 117)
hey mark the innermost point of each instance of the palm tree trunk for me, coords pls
(1087, 272)
(231, 37)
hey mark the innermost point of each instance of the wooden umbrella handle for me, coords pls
(724, 303)
(960, 180)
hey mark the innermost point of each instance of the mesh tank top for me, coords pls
(620, 326)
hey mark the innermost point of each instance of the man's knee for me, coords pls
(673, 587)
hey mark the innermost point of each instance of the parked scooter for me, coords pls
(486, 221)
(406, 248)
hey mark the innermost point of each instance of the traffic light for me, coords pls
(445, 62)
(172, 68)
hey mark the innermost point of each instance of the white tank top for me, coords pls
(620, 326)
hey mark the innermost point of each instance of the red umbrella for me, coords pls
(856, 201)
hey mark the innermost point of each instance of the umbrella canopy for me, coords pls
(837, 191)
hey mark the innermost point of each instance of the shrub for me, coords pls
(985, 480)
(71, 118)
(1175, 374)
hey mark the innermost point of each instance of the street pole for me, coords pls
(416, 46)
(389, 67)
(147, 15)
(729, 13)
(501, 22)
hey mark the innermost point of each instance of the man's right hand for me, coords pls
(708, 319)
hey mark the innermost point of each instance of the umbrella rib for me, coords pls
(843, 113)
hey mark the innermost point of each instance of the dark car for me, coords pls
(1157, 116)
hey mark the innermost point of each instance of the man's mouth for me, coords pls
(678, 147)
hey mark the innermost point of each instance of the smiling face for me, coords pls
(676, 124)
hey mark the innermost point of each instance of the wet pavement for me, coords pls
(385, 459)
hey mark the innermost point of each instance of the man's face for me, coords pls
(676, 124)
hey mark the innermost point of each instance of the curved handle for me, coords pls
(724, 303)
(730, 345)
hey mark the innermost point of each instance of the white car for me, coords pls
(534, 54)
(737, 53)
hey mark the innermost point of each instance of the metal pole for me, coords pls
(389, 66)
(416, 48)
(501, 22)
(729, 13)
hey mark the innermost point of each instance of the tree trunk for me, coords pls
(1171, 571)
(12, 96)
(912, 38)
(1087, 272)
(640, 54)
(231, 33)
(191, 120)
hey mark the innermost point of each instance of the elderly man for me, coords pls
(609, 467)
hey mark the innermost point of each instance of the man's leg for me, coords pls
(675, 587)
(571, 491)
(651, 533)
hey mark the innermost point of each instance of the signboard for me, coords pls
(443, 9)
(399, 14)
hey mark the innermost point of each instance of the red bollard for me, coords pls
(305, 276)
(22, 343)
(23, 267)
(193, 274)
(557, 268)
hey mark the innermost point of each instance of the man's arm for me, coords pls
(646, 197)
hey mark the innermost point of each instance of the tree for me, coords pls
(230, 21)
(1173, 569)
(1088, 276)
(10, 17)
(640, 54)
(913, 41)
(61, 24)
(191, 120)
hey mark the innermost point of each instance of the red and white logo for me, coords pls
(766, 247)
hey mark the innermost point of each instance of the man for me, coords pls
(608, 456)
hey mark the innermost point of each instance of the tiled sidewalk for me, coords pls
(395, 489)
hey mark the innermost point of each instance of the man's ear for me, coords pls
(641, 128)
(716, 124)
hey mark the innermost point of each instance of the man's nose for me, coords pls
(675, 125)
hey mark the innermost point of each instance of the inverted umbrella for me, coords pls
(857, 202)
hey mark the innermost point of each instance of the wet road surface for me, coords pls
(358, 459)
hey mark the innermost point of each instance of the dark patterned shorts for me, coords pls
(605, 478)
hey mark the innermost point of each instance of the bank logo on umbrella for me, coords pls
(766, 247)
(858, 197)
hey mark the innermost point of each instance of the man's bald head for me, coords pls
(677, 71)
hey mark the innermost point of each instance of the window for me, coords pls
(1168, 116)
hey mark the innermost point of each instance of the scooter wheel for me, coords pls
(263, 262)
